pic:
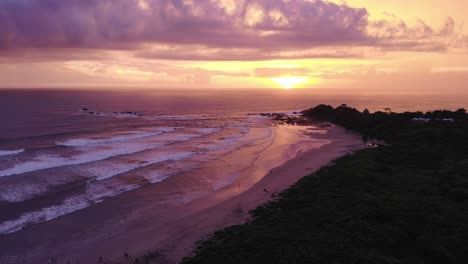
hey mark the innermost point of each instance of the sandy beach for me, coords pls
(141, 222)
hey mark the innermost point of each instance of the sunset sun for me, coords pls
(289, 82)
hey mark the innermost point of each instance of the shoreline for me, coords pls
(403, 201)
(280, 179)
(235, 210)
(174, 231)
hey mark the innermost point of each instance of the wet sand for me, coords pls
(145, 219)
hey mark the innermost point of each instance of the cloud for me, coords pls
(275, 72)
(394, 34)
(124, 23)
(222, 29)
(147, 71)
(198, 52)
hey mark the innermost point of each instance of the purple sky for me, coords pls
(188, 37)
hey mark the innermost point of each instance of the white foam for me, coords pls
(77, 142)
(113, 177)
(10, 152)
(293, 113)
(94, 194)
(40, 216)
(23, 191)
(96, 191)
(96, 152)
(158, 175)
(109, 168)
(113, 168)
(99, 190)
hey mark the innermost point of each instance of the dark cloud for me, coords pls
(258, 26)
(123, 23)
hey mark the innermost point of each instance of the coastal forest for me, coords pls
(404, 200)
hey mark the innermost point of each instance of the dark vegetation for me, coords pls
(404, 202)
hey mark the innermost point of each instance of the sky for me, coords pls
(368, 46)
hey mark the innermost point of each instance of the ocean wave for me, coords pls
(15, 193)
(127, 173)
(96, 152)
(175, 153)
(10, 152)
(78, 142)
(104, 187)
(111, 169)
(100, 189)
(94, 194)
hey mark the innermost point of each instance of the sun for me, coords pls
(290, 81)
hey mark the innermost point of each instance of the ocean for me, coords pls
(63, 151)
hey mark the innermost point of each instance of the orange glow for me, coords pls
(401, 46)
(289, 82)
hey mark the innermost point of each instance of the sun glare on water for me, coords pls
(289, 82)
